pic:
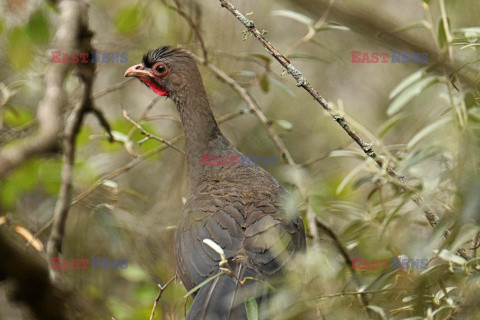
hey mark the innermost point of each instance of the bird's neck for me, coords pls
(202, 134)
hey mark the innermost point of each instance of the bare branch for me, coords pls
(160, 292)
(103, 122)
(149, 135)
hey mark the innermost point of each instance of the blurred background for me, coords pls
(422, 118)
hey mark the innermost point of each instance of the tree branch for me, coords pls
(78, 16)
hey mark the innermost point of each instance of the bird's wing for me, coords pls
(250, 226)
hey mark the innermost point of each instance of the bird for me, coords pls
(240, 208)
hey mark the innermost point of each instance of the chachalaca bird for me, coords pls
(238, 207)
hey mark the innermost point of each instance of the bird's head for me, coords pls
(166, 70)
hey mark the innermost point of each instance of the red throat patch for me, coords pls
(155, 87)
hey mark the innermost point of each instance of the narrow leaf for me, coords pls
(408, 81)
(306, 57)
(38, 28)
(19, 48)
(442, 37)
(265, 83)
(414, 90)
(252, 308)
(428, 130)
(281, 86)
(333, 53)
(348, 178)
(418, 24)
(294, 15)
(204, 283)
(128, 19)
(284, 124)
(389, 124)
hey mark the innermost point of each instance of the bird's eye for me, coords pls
(161, 69)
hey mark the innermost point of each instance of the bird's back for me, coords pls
(241, 209)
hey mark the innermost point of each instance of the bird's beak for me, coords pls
(137, 71)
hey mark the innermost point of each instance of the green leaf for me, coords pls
(38, 28)
(427, 1)
(265, 83)
(389, 124)
(19, 48)
(17, 116)
(281, 86)
(128, 19)
(418, 24)
(414, 90)
(390, 216)
(470, 100)
(471, 34)
(348, 178)
(294, 15)
(284, 124)
(260, 56)
(305, 56)
(347, 153)
(408, 81)
(21, 181)
(252, 308)
(378, 311)
(330, 26)
(333, 53)
(204, 283)
(442, 37)
(428, 130)
(49, 175)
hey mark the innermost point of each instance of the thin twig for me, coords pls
(162, 288)
(178, 8)
(103, 122)
(149, 135)
(149, 107)
(323, 156)
(112, 88)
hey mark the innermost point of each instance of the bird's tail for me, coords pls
(224, 297)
